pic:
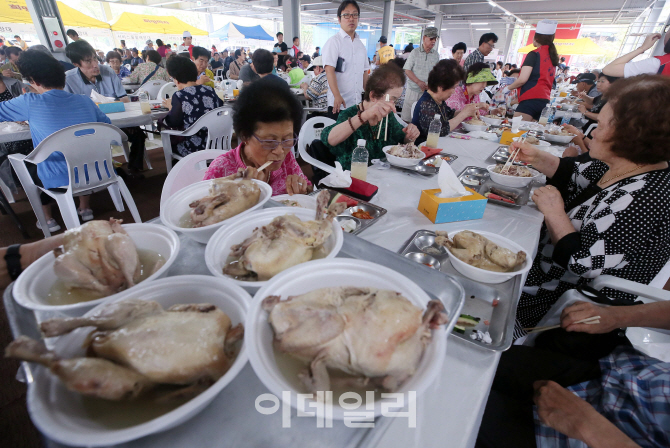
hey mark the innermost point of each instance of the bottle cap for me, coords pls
(437, 116)
(361, 142)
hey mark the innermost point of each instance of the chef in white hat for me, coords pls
(187, 45)
(537, 73)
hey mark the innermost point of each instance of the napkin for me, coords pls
(11, 126)
(516, 122)
(430, 151)
(338, 178)
(484, 135)
(97, 98)
(449, 183)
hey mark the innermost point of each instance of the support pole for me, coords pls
(291, 10)
(387, 19)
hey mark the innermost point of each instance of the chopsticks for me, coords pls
(510, 160)
(381, 123)
(589, 321)
(265, 165)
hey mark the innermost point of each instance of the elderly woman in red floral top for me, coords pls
(266, 119)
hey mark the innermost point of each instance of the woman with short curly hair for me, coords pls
(606, 212)
(266, 118)
(442, 81)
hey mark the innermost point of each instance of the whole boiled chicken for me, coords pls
(480, 252)
(374, 334)
(228, 196)
(285, 242)
(137, 346)
(98, 256)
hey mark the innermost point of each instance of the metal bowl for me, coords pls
(343, 219)
(427, 244)
(363, 207)
(424, 259)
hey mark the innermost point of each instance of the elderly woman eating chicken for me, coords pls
(606, 212)
(266, 119)
(476, 79)
(363, 121)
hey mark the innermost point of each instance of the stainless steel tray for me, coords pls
(361, 224)
(474, 174)
(501, 155)
(479, 298)
(424, 168)
(246, 386)
(523, 193)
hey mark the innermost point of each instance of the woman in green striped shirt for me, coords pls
(364, 120)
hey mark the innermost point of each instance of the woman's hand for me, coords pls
(379, 110)
(167, 103)
(649, 41)
(470, 110)
(571, 151)
(528, 153)
(296, 184)
(549, 200)
(609, 318)
(573, 130)
(581, 108)
(411, 133)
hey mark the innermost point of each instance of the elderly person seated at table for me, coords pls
(45, 111)
(150, 70)
(188, 104)
(442, 80)
(364, 120)
(294, 70)
(113, 59)
(134, 58)
(236, 65)
(11, 88)
(267, 117)
(201, 57)
(476, 79)
(10, 69)
(89, 75)
(608, 214)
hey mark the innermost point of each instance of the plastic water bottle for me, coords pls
(552, 115)
(434, 132)
(566, 118)
(359, 161)
(544, 116)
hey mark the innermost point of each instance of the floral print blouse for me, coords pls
(230, 163)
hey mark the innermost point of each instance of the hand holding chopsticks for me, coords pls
(384, 122)
(589, 321)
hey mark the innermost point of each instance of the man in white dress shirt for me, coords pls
(346, 61)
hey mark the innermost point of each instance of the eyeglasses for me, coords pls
(491, 45)
(348, 16)
(271, 145)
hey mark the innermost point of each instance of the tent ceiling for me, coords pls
(418, 12)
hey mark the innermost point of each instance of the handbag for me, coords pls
(584, 346)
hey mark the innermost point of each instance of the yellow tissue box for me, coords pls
(507, 136)
(440, 210)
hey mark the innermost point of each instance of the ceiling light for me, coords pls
(492, 3)
(482, 29)
(479, 23)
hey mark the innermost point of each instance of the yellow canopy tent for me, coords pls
(145, 24)
(16, 11)
(571, 47)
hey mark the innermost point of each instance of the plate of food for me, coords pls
(256, 248)
(474, 125)
(202, 208)
(515, 176)
(296, 200)
(558, 136)
(484, 256)
(320, 327)
(155, 358)
(100, 260)
(533, 141)
(406, 154)
(495, 120)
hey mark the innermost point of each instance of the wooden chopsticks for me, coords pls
(588, 321)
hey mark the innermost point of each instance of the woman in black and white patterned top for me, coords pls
(606, 212)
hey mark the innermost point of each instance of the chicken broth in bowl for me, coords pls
(61, 294)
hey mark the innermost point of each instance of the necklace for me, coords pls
(637, 167)
(439, 106)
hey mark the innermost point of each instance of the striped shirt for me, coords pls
(420, 63)
(633, 393)
(318, 91)
(47, 113)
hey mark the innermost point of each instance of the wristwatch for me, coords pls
(13, 260)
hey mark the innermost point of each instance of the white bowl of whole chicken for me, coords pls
(493, 120)
(402, 161)
(513, 181)
(35, 287)
(69, 418)
(484, 275)
(558, 138)
(474, 127)
(219, 247)
(321, 324)
(177, 206)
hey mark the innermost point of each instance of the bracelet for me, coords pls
(352, 126)
(13, 260)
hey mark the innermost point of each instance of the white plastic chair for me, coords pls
(310, 131)
(189, 170)
(227, 74)
(589, 129)
(219, 75)
(7, 191)
(219, 124)
(240, 84)
(87, 151)
(152, 88)
(411, 111)
(400, 120)
(166, 91)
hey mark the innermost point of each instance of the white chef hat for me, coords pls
(546, 27)
(187, 34)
